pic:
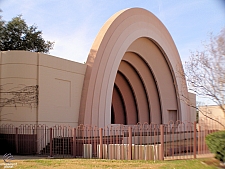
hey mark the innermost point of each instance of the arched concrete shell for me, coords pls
(134, 31)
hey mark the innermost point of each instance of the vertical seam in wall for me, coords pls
(0, 81)
(37, 83)
(70, 94)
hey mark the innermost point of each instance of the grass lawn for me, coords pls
(111, 164)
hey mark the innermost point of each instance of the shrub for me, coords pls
(216, 144)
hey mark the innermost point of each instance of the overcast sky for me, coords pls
(74, 24)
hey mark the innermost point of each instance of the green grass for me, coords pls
(112, 164)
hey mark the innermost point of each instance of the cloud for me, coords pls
(74, 46)
(74, 38)
(74, 24)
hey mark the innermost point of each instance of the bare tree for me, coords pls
(205, 71)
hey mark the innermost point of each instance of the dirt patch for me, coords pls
(213, 162)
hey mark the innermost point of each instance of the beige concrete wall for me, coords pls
(213, 112)
(18, 70)
(60, 84)
(212, 115)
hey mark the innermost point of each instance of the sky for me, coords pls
(74, 24)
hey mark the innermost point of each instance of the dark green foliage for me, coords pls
(216, 144)
(17, 35)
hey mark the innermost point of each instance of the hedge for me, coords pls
(216, 144)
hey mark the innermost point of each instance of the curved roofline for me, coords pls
(111, 43)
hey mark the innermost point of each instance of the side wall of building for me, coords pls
(18, 76)
(192, 98)
(212, 115)
(57, 83)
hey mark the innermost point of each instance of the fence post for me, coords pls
(74, 142)
(195, 139)
(51, 142)
(101, 143)
(16, 140)
(162, 142)
(130, 144)
(199, 139)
